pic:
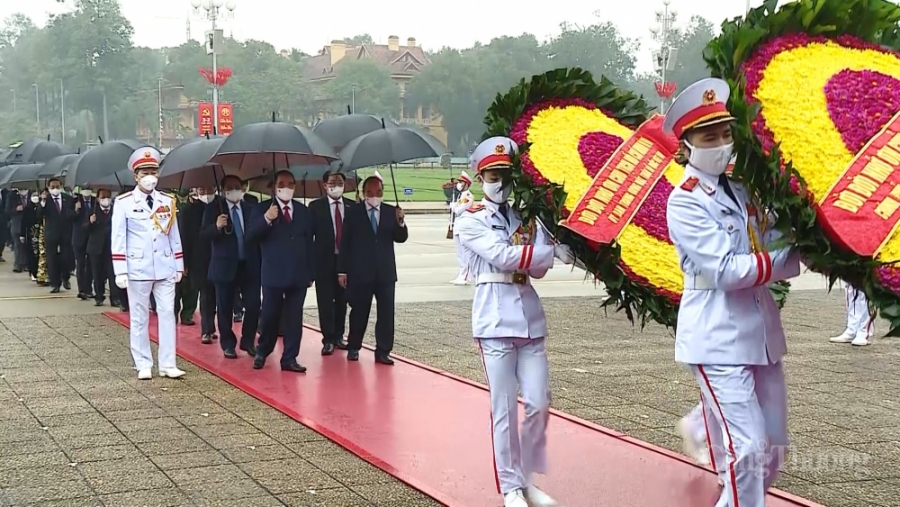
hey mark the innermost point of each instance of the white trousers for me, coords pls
(461, 259)
(860, 322)
(703, 428)
(749, 404)
(139, 308)
(510, 365)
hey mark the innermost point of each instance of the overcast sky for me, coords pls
(309, 25)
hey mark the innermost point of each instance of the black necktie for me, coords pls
(504, 210)
(723, 181)
(150, 201)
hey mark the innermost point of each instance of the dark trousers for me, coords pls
(289, 304)
(58, 262)
(102, 273)
(238, 301)
(185, 299)
(332, 308)
(83, 268)
(208, 308)
(361, 295)
(225, 310)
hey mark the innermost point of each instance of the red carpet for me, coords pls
(430, 429)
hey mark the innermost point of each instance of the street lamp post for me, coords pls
(212, 10)
(15, 102)
(37, 104)
(161, 124)
(353, 99)
(62, 110)
(665, 18)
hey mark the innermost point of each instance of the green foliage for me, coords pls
(871, 20)
(366, 83)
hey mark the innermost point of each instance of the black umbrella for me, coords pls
(389, 146)
(21, 176)
(340, 130)
(36, 151)
(188, 165)
(257, 149)
(302, 174)
(99, 166)
(58, 166)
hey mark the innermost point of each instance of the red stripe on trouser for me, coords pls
(487, 380)
(709, 444)
(731, 471)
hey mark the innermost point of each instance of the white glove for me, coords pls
(564, 254)
(178, 276)
(121, 281)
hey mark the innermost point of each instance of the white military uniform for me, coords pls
(510, 327)
(465, 201)
(860, 318)
(146, 247)
(729, 327)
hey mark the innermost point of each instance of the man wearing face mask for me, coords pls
(198, 265)
(16, 202)
(367, 268)
(463, 202)
(508, 322)
(328, 223)
(234, 266)
(99, 249)
(729, 328)
(186, 293)
(84, 208)
(284, 229)
(148, 259)
(58, 214)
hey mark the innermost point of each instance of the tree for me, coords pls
(599, 49)
(359, 40)
(366, 84)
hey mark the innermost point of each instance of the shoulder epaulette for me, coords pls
(124, 195)
(170, 196)
(475, 207)
(690, 183)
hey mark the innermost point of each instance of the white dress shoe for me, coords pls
(860, 341)
(693, 447)
(845, 337)
(514, 499)
(171, 373)
(145, 374)
(537, 498)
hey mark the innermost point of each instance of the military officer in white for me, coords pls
(147, 258)
(466, 199)
(860, 319)
(729, 327)
(508, 323)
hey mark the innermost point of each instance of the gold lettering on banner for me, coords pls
(894, 142)
(627, 199)
(889, 155)
(618, 175)
(595, 206)
(863, 186)
(588, 217)
(603, 195)
(895, 192)
(848, 201)
(878, 170)
(887, 208)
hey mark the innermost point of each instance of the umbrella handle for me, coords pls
(394, 183)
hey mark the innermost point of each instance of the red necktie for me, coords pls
(287, 214)
(338, 224)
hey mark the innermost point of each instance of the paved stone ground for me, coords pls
(78, 429)
(844, 400)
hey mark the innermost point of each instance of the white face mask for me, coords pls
(105, 202)
(55, 192)
(335, 192)
(712, 161)
(35, 199)
(373, 202)
(205, 198)
(23, 192)
(496, 192)
(459, 186)
(86, 193)
(285, 194)
(148, 182)
(234, 196)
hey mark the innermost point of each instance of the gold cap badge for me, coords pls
(500, 149)
(146, 154)
(709, 97)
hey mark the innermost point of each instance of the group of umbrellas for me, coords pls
(253, 152)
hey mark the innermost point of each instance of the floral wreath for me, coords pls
(816, 87)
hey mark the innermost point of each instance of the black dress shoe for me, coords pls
(296, 368)
(251, 350)
(54, 290)
(91, 295)
(18, 270)
(384, 359)
(187, 322)
(82, 296)
(123, 309)
(327, 349)
(259, 362)
(98, 302)
(341, 344)
(206, 339)
(238, 317)
(231, 354)
(67, 285)
(352, 355)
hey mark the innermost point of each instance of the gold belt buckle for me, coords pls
(519, 278)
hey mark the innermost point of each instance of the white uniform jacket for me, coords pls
(146, 243)
(503, 308)
(727, 314)
(465, 201)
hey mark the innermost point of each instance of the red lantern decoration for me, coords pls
(218, 78)
(665, 90)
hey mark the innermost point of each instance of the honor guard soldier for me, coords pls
(508, 322)
(465, 200)
(860, 318)
(729, 328)
(148, 259)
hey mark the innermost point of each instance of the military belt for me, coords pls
(508, 278)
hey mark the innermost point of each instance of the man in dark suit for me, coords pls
(251, 201)
(284, 230)
(4, 221)
(328, 222)
(58, 214)
(234, 265)
(197, 265)
(366, 267)
(186, 294)
(85, 205)
(98, 247)
(15, 204)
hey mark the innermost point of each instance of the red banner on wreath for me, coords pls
(205, 118)
(226, 119)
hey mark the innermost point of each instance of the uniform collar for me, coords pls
(140, 196)
(708, 182)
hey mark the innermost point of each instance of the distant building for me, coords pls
(404, 61)
(179, 117)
